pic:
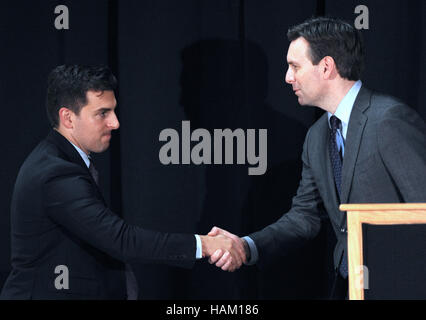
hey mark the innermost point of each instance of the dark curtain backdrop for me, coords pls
(389, 254)
(219, 64)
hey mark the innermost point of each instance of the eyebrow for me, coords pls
(103, 109)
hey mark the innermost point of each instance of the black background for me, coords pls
(220, 64)
(395, 266)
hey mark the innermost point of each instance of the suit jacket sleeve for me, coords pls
(402, 144)
(302, 222)
(70, 201)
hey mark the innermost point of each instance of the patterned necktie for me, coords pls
(336, 160)
(336, 163)
(94, 172)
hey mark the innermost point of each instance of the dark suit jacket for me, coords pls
(58, 217)
(384, 162)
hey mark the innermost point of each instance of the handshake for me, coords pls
(224, 249)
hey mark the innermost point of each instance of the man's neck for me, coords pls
(337, 91)
(71, 139)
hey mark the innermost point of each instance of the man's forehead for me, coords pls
(101, 99)
(99, 93)
(297, 50)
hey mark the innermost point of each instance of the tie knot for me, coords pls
(335, 123)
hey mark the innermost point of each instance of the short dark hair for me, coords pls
(67, 86)
(335, 38)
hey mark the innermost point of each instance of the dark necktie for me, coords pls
(336, 163)
(336, 160)
(94, 172)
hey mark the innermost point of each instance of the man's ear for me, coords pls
(66, 117)
(328, 68)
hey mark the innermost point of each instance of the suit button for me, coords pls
(343, 230)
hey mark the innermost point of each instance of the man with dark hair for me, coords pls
(366, 148)
(67, 85)
(334, 38)
(66, 243)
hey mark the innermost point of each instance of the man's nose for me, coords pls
(113, 122)
(289, 76)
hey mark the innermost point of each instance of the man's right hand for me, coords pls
(228, 254)
(241, 246)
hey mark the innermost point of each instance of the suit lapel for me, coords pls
(356, 126)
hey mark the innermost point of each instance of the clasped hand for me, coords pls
(224, 249)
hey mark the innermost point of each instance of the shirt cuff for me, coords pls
(199, 252)
(254, 255)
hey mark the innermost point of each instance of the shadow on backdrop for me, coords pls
(224, 85)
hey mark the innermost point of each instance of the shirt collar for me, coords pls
(85, 157)
(343, 111)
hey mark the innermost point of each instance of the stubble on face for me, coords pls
(95, 122)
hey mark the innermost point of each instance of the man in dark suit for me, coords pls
(366, 148)
(66, 243)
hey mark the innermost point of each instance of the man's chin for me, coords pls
(105, 148)
(303, 103)
(101, 149)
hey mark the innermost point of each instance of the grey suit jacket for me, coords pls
(384, 162)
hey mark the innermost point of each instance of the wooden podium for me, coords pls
(376, 214)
